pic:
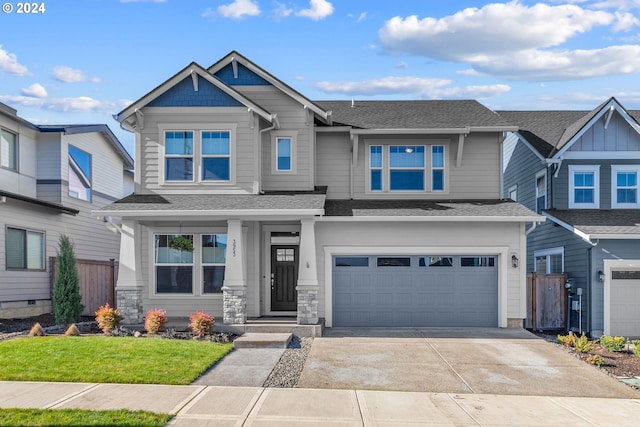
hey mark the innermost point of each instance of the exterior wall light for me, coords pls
(514, 261)
(601, 275)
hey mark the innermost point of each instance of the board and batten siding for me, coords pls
(618, 136)
(478, 176)
(151, 148)
(333, 163)
(411, 235)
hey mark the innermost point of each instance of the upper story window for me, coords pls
(283, 152)
(8, 150)
(549, 261)
(79, 174)
(513, 193)
(541, 191)
(204, 155)
(584, 186)
(406, 168)
(624, 186)
(24, 249)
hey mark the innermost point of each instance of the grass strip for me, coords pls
(16, 417)
(107, 359)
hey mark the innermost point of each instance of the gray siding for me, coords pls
(49, 158)
(333, 163)
(618, 136)
(22, 181)
(521, 170)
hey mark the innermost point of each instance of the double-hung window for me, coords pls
(24, 249)
(624, 186)
(8, 150)
(406, 168)
(179, 156)
(214, 249)
(174, 263)
(216, 156)
(79, 174)
(284, 152)
(584, 186)
(541, 191)
(198, 155)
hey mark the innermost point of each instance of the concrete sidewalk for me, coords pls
(255, 406)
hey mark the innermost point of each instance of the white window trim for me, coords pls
(541, 174)
(386, 176)
(197, 129)
(275, 136)
(546, 253)
(197, 287)
(614, 186)
(596, 186)
(511, 190)
(17, 149)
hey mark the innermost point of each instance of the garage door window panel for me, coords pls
(477, 261)
(394, 262)
(436, 261)
(352, 261)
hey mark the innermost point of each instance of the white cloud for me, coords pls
(358, 18)
(77, 104)
(319, 9)
(239, 9)
(537, 65)
(66, 74)
(618, 4)
(36, 90)
(281, 11)
(625, 22)
(401, 65)
(143, 1)
(415, 86)
(9, 63)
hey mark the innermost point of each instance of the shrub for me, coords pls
(108, 318)
(566, 340)
(72, 331)
(636, 347)
(201, 323)
(612, 343)
(583, 345)
(37, 331)
(596, 360)
(67, 306)
(155, 320)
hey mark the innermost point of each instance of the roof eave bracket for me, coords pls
(194, 77)
(608, 116)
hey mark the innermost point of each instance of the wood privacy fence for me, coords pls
(546, 301)
(97, 283)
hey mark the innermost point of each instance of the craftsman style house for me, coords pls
(252, 200)
(51, 179)
(580, 169)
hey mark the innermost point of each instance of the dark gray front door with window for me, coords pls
(284, 278)
(436, 290)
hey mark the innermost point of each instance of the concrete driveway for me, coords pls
(478, 360)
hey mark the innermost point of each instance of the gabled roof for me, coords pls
(232, 56)
(439, 114)
(100, 128)
(127, 116)
(592, 224)
(553, 132)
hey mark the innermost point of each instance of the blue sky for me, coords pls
(81, 61)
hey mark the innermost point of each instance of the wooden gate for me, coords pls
(97, 283)
(546, 301)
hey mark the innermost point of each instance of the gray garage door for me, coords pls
(435, 290)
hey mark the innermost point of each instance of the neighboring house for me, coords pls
(51, 178)
(252, 200)
(580, 169)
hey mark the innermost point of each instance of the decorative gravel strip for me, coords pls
(287, 371)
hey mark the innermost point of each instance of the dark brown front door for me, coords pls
(284, 277)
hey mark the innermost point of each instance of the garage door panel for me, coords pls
(434, 292)
(624, 302)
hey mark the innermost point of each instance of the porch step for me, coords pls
(263, 340)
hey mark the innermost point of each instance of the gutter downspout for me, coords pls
(276, 125)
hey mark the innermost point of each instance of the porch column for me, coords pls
(307, 275)
(130, 286)
(234, 289)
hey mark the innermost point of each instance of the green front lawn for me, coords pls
(79, 417)
(107, 359)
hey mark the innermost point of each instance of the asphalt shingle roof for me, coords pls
(599, 221)
(426, 208)
(447, 114)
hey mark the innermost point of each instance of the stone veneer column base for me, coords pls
(129, 302)
(307, 305)
(234, 303)
(515, 323)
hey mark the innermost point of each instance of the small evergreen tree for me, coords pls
(67, 306)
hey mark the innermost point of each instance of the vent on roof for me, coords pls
(353, 102)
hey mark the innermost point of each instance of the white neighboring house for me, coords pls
(51, 179)
(252, 200)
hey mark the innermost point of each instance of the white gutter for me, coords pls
(275, 126)
(582, 235)
(416, 218)
(211, 213)
(434, 131)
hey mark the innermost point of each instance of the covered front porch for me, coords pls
(254, 259)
